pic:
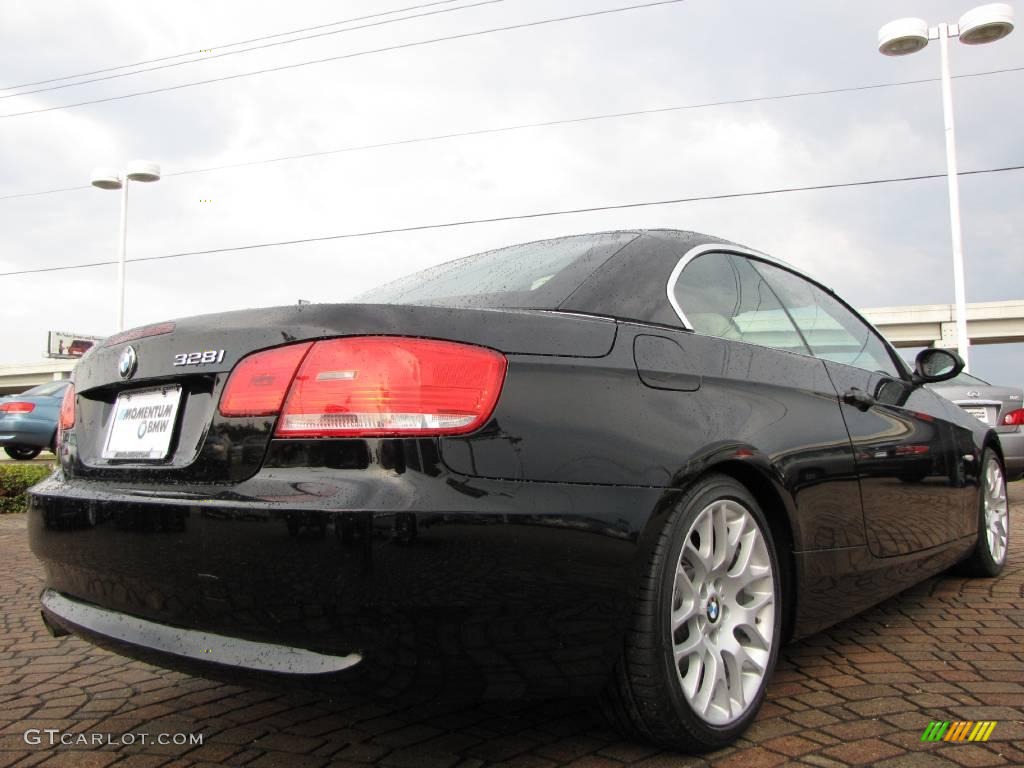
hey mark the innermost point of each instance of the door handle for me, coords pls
(858, 398)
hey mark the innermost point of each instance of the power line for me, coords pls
(522, 217)
(386, 49)
(228, 45)
(539, 124)
(258, 47)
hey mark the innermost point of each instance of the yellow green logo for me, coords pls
(961, 730)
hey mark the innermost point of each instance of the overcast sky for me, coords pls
(877, 246)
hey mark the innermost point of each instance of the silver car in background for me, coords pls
(1002, 407)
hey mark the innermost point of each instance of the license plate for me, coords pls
(143, 424)
(979, 413)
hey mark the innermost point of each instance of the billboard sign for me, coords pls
(69, 345)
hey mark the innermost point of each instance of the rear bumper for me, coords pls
(529, 584)
(23, 430)
(1012, 443)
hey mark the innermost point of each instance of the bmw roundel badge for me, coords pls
(129, 361)
(714, 609)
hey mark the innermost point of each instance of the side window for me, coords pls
(830, 329)
(723, 295)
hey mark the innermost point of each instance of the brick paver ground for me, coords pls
(858, 694)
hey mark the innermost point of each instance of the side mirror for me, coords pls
(934, 365)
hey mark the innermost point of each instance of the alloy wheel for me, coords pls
(723, 612)
(996, 510)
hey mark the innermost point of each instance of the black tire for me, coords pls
(645, 698)
(982, 562)
(21, 453)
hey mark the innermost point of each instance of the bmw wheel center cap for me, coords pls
(128, 362)
(714, 609)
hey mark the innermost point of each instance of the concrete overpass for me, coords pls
(934, 325)
(926, 325)
(15, 379)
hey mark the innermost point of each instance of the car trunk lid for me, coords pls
(166, 380)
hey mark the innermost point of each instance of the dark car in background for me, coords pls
(631, 464)
(998, 406)
(28, 422)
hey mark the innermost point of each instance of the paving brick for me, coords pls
(813, 718)
(972, 756)
(81, 759)
(884, 706)
(865, 692)
(758, 757)
(287, 760)
(141, 761)
(823, 762)
(793, 746)
(919, 760)
(363, 752)
(862, 751)
(859, 729)
(594, 761)
(772, 727)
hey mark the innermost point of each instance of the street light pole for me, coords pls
(984, 24)
(953, 177)
(105, 178)
(121, 255)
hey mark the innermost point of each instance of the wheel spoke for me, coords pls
(685, 589)
(712, 677)
(721, 537)
(692, 560)
(752, 630)
(741, 663)
(702, 528)
(759, 600)
(745, 580)
(683, 614)
(740, 550)
(687, 648)
(694, 673)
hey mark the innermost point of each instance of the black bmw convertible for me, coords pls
(631, 464)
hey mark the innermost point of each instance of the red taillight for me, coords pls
(387, 386)
(67, 408)
(1014, 418)
(258, 384)
(368, 386)
(17, 407)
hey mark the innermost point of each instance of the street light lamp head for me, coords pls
(903, 36)
(106, 178)
(143, 170)
(986, 24)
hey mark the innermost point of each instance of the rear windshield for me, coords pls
(538, 275)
